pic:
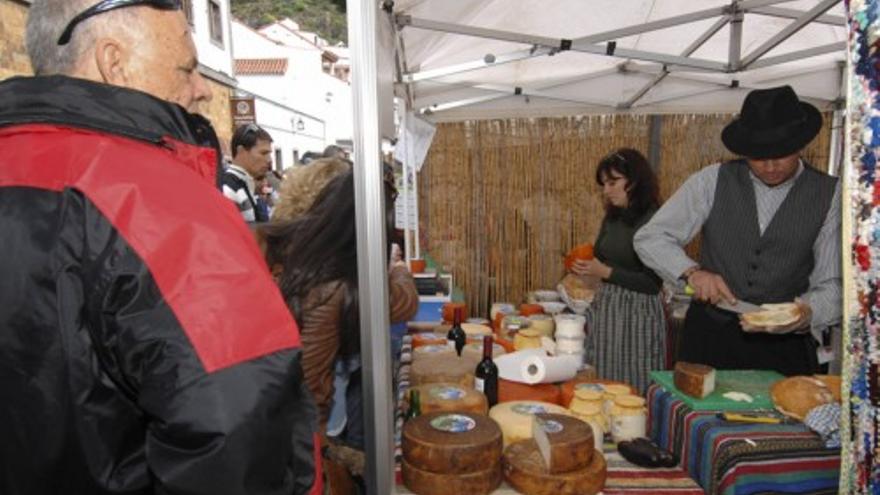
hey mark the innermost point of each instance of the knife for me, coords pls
(739, 307)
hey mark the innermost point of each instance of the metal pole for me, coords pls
(656, 124)
(372, 262)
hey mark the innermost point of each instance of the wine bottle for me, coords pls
(486, 375)
(415, 405)
(456, 337)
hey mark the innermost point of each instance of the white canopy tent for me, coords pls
(476, 59)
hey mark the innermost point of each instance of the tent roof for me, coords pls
(463, 59)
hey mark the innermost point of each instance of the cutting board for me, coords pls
(756, 383)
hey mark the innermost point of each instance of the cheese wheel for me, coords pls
(511, 391)
(450, 397)
(527, 339)
(543, 324)
(525, 471)
(515, 418)
(569, 387)
(423, 482)
(475, 351)
(427, 338)
(476, 330)
(433, 351)
(451, 443)
(442, 369)
(566, 443)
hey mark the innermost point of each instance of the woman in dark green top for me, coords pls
(627, 331)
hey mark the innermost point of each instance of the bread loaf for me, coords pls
(773, 315)
(797, 395)
(696, 380)
(422, 482)
(565, 443)
(525, 471)
(451, 443)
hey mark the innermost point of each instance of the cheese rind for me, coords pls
(442, 369)
(509, 391)
(423, 482)
(696, 380)
(428, 446)
(525, 471)
(451, 397)
(565, 443)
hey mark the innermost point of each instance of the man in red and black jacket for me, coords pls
(144, 348)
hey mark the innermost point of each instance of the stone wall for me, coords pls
(218, 112)
(13, 56)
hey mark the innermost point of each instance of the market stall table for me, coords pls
(623, 478)
(741, 458)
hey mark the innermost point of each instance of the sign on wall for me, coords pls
(242, 110)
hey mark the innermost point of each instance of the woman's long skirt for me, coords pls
(626, 337)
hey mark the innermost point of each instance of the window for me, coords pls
(278, 165)
(215, 21)
(295, 157)
(188, 10)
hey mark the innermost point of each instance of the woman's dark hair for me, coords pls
(642, 190)
(320, 247)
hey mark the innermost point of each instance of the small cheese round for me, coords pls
(442, 369)
(451, 397)
(515, 418)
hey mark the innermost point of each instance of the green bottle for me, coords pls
(415, 405)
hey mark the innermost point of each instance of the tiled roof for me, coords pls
(261, 66)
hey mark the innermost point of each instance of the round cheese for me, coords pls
(569, 388)
(475, 351)
(450, 397)
(433, 351)
(422, 482)
(476, 330)
(525, 471)
(451, 443)
(427, 338)
(566, 443)
(444, 368)
(543, 392)
(543, 324)
(515, 418)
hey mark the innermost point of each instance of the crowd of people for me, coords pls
(150, 345)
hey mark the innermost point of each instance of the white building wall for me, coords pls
(215, 55)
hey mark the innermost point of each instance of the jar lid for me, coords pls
(587, 394)
(629, 401)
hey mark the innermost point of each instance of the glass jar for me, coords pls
(570, 326)
(613, 390)
(592, 415)
(628, 418)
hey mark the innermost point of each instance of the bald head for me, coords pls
(137, 47)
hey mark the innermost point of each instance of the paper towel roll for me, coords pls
(509, 365)
(546, 369)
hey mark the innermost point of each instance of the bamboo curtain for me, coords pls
(501, 200)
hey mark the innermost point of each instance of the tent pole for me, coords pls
(734, 52)
(372, 259)
(788, 31)
(656, 125)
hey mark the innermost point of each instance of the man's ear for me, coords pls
(111, 59)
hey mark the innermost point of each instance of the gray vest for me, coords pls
(776, 266)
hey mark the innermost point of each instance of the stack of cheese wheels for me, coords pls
(433, 351)
(561, 460)
(442, 368)
(515, 418)
(450, 397)
(451, 453)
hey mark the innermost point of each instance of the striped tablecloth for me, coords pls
(623, 478)
(742, 459)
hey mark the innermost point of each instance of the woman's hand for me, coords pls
(591, 267)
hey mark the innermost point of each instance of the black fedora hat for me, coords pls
(772, 123)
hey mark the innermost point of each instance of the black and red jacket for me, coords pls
(144, 348)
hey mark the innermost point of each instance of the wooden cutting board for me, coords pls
(756, 383)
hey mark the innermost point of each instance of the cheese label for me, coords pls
(453, 423)
(529, 409)
(447, 393)
(480, 385)
(551, 426)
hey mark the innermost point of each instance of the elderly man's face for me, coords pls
(165, 63)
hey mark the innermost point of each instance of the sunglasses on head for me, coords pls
(108, 5)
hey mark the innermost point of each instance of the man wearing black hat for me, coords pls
(771, 234)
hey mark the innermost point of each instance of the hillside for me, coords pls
(325, 17)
